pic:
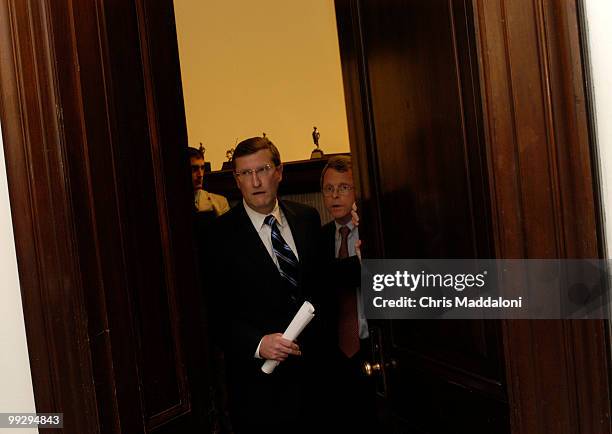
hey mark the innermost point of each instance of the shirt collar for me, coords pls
(258, 218)
(349, 225)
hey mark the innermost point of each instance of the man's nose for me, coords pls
(255, 179)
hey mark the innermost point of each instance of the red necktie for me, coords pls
(348, 325)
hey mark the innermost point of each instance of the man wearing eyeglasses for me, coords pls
(270, 252)
(340, 240)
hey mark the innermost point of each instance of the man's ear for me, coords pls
(237, 182)
(280, 171)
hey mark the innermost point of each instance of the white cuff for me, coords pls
(257, 356)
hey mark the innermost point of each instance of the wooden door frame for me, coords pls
(541, 98)
(52, 289)
(537, 95)
(59, 128)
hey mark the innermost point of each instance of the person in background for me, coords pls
(206, 208)
(203, 200)
(340, 240)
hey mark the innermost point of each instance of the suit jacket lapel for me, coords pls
(299, 236)
(296, 230)
(330, 239)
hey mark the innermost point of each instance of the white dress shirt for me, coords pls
(206, 201)
(265, 233)
(353, 236)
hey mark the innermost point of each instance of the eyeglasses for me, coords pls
(264, 170)
(342, 189)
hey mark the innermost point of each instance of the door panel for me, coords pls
(419, 81)
(149, 141)
(469, 120)
(121, 333)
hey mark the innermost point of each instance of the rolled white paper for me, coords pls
(297, 324)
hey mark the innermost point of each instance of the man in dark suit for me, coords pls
(340, 240)
(267, 264)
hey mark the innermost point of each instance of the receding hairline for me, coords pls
(253, 153)
(339, 163)
(252, 146)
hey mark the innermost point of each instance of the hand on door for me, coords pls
(355, 220)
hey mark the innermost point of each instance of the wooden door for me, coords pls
(469, 128)
(428, 170)
(95, 137)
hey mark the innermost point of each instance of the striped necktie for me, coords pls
(287, 262)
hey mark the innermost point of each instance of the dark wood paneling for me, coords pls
(166, 120)
(423, 105)
(414, 64)
(145, 224)
(43, 220)
(472, 115)
(94, 138)
(544, 195)
(360, 124)
(81, 85)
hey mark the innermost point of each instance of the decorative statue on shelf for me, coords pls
(202, 149)
(229, 154)
(317, 152)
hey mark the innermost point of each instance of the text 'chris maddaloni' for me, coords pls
(458, 282)
(486, 289)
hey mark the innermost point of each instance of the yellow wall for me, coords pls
(268, 66)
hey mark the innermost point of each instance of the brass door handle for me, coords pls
(371, 369)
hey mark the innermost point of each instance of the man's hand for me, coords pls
(275, 347)
(355, 220)
(354, 215)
